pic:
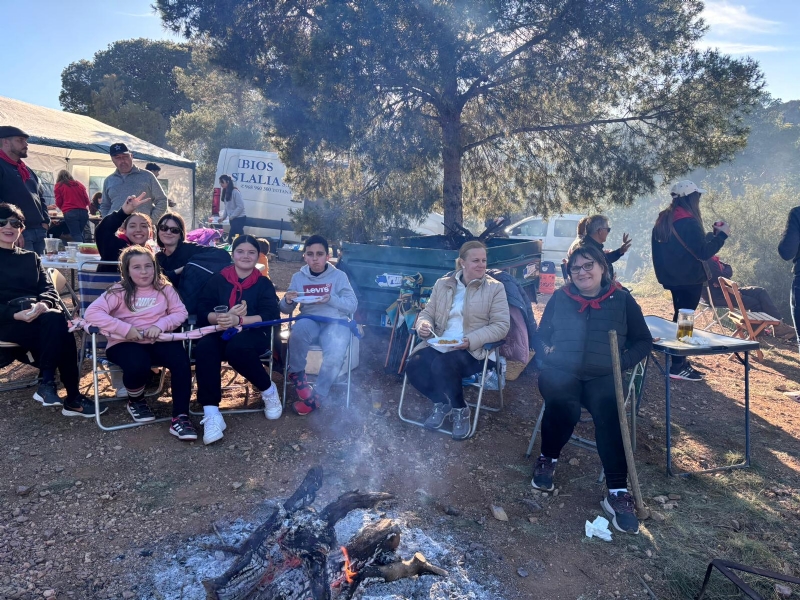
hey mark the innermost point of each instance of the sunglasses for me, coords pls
(587, 266)
(13, 221)
(174, 230)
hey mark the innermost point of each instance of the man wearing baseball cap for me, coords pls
(129, 180)
(19, 185)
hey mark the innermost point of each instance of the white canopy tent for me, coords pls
(62, 140)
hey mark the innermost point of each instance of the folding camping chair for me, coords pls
(286, 335)
(632, 396)
(708, 315)
(478, 404)
(748, 323)
(91, 285)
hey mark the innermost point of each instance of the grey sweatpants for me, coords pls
(332, 338)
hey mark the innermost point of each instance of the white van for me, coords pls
(259, 176)
(556, 233)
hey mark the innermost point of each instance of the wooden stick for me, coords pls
(642, 511)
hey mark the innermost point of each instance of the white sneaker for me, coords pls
(272, 403)
(116, 381)
(213, 426)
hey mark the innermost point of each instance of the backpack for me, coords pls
(197, 272)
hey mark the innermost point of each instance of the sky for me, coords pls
(49, 34)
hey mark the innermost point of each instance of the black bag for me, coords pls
(22, 303)
(197, 272)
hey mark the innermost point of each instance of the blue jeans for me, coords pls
(34, 239)
(334, 340)
(76, 220)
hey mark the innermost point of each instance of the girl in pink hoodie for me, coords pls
(134, 312)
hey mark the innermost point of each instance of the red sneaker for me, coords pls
(301, 385)
(304, 407)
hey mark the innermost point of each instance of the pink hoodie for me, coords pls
(163, 309)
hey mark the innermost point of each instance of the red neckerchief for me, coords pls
(22, 168)
(681, 213)
(593, 302)
(229, 273)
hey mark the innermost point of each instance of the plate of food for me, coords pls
(308, 299)
(88, 249)
(443, 344)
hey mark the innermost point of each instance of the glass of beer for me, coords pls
(685, 323)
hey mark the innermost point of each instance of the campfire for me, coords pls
(293, 554)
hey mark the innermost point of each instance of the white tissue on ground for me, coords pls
(598, 528)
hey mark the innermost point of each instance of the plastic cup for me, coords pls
(221, 309)
(51, 246)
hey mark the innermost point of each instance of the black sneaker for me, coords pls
(140, 412)
(47, 395)
(620, 507)
(461, 423)
(182, 428)
(687, 373)
(543, 472)
(81, 406)
(437, 417)
(155, 379)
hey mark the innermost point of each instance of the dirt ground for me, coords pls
(102, 510)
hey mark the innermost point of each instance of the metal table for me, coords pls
(669, 346)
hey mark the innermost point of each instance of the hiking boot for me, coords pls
(140, 412)
(272, 403)
(686, 372)
(301, 385)
(543, 472)
(304, 407)
(461, 423)
(436, 419)
(213, 426)
(182, 428)
(620, 508)
(81, 406)
(47, 395)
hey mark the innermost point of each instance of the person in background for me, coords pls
(37, 323)
(175, 250)
(122, 228)
(72, 199)
(322, 290)
(263, 257)
(789, 249)
(20, 186)
(576, 371)
(469, 308)
(129, 180)
(94, 206)
(156, 171)
(593, 231)
(246, 298)
(232, 207)
(135, 312)
(680, 246)
(755, 298)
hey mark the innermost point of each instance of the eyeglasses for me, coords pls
(608, 229)
(587, 266)
(13, 221)
(166, 228)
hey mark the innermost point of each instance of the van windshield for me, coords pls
(565, 228)
(534, 228)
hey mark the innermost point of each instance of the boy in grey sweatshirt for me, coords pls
(320, 289)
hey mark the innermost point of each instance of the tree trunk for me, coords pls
(451, 163)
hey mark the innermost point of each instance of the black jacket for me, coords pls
(23, 276)
(674, 266)
(789, 246)
(261, 299)
(27, 196)
(183, 253)
(108, 244)
(578, 342)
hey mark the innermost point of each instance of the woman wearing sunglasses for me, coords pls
(175, 250)
(593, 231)
(30, 316)
(576, 372)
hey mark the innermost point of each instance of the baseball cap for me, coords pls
(7, 131)
(684, 188)
(118, 148)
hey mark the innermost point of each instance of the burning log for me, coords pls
(293, 554)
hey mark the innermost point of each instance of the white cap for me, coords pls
(684, 188)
